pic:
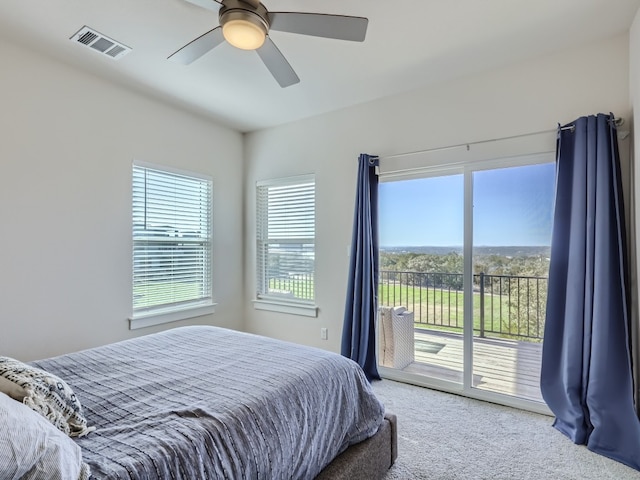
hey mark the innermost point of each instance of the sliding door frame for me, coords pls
(467, 169)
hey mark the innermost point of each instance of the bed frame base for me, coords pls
(367, 460)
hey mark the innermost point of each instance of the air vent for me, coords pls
(100, 43)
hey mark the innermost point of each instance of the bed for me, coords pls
(205, 402)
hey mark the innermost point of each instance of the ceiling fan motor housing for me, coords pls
(239, 10)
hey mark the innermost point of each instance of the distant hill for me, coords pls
(512, 251)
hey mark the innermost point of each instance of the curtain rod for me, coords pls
(618, 121)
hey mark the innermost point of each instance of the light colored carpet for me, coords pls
(448, 437)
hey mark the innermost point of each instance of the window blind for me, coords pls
(171, 240)
(286, 239)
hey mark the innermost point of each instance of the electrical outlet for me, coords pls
(324, 333)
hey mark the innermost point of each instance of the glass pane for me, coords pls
(285, 241)
(512, 217)
(421, 269)
(171, 239)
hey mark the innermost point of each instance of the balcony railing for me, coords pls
(505, 306)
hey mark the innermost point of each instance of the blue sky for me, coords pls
(512, 207)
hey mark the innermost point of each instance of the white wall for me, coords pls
(67, 141)
(528, 97)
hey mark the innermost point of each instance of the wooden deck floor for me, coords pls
(502, 366)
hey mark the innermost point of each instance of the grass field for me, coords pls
(158, 293)
(301, 289)
(433, 307)
(445, 309)
(439, 308)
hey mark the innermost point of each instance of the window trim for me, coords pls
(160, 315)
(437, 170)
(275, 303)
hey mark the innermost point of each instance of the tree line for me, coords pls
(523, 266)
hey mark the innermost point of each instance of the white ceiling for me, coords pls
(409, 44)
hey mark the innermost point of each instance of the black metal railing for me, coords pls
(506, 306)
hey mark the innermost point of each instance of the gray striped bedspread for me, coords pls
(210, 403)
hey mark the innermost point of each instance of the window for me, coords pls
(171, 243)
(286, 240)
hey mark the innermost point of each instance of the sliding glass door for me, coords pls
(512, 214)
(465, 254)
(421, 270)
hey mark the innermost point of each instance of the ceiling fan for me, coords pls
(245, 24)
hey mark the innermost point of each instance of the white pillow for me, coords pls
(33, 449)
(45, 393)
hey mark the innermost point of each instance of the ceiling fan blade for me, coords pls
(320, 25)
(208, 4)
(277, 64)
(198, 47)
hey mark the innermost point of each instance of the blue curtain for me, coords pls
(358, 332)
(586, 377)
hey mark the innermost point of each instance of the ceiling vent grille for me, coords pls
(100, 43)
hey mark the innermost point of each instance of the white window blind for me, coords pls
(286, 239)
(171, 240)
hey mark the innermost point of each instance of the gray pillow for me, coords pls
(45, 393)
(32, 449)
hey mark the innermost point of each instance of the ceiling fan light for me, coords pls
(244, 34)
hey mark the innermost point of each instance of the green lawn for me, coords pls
(444, 309)
(436, 308)
(302, 289)
(155, 293)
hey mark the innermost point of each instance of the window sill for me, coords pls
(158, 317)
(286, 307)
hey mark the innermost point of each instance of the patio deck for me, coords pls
(503, 366)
